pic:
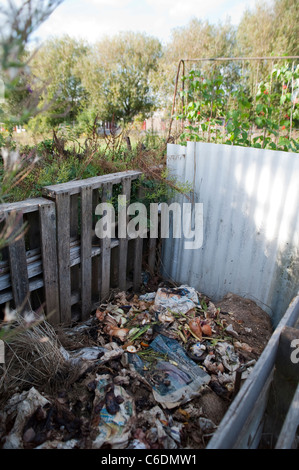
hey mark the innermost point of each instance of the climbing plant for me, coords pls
(265, 119)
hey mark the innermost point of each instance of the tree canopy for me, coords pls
(54, 70)
(119, 79)
(130, 75)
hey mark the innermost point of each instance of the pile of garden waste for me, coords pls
(157, 370)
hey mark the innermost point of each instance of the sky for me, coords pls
(93, 19)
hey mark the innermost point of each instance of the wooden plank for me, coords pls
(138, 248)
(49, 257)
(33, 285)
(106, 249)
(123, 241)
(26, 206)
(86, 238)
(74, 233)
(74, 216)
(75, 253)
(74, 187)
(290, 425)
(6, 297)
(63, 248)
(33, 269)
(4, 265)
(18, 269)
(114, 284)
(96, 270)
(137, 264)
(152, 246)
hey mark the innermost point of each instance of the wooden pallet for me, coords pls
(27, 269)
(85, 269)
(61, 260)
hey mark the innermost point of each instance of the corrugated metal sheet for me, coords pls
(250, 223)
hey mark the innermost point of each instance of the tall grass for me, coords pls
(61, 160)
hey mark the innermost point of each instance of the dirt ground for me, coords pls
(108, 403)
(248, 320)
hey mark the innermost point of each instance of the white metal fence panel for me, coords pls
(250, 243)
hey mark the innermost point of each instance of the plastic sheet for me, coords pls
(180, 299)
(174, 381)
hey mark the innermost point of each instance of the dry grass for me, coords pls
(34, 358)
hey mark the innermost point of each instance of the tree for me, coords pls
(18, 21)
(55, 70)
(255, 32)
(270, 29)
(198, 39)
(119, 79)
(286, 27)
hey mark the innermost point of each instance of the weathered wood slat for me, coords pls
(63, 247)
(35, 265)
(138, 263)
(75, 252)
(4, 270)
(74, 187)
(138, 256)
(75, 222)
(18, 269)
(96, 273)
(49, 256)
(106, 248)
(69, 271)
(86, 250)
(74, 216)
(33, 269)
(29, 205)
(152, 245)
(114, 284)
(6, 297)
(33, 285)
(123, 242)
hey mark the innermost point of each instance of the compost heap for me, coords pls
(154, 371)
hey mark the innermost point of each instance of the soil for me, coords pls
(250, 322)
